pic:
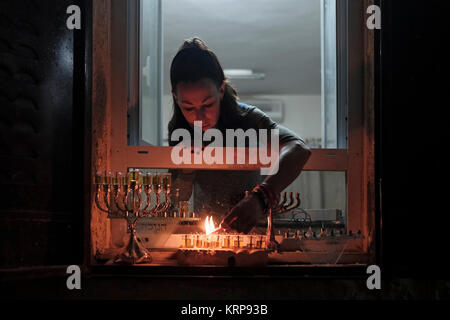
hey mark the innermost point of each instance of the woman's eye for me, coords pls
(209, 105)
(189, 109)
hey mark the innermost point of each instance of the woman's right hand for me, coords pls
(244, 215)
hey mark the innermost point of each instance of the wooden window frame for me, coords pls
(109, 137)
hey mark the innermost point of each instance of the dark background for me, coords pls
(44, 152)
(42, 90)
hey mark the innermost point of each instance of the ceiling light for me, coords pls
(243, 74)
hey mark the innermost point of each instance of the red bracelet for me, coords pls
(272, 197)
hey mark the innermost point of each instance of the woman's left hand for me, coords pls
(245, 215)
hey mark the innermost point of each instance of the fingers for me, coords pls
(236, 221)
(231, 222)
(228, 220)
(240, 219)
(242, 225)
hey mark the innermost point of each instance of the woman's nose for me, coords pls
(201, 115)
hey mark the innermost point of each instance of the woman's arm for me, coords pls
(244, 216)
(292, 159)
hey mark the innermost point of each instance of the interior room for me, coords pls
(172, 147)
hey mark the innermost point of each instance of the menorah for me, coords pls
(286, 205)
(129, 197)
(282, 207)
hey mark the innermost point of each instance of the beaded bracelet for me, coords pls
(271, 197)
(274, 198)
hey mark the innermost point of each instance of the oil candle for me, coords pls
(166, 180)
(250, 244)
(157, 180)
(184, 242)
(237, 242)
(261, 244)
(184, 208)
(148, 179)
(100, 178)
(134, 176)
(117, 179)
(109, 177)
(227, 242)
(189, 241)
(198, 242)
(207, 241)
(216, 244)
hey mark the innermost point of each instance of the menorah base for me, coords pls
(134, 252)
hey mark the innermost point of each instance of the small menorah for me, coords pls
(285, 206)
(122, 196)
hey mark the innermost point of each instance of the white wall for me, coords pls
(301, 113)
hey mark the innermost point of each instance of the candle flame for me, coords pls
(209, 225)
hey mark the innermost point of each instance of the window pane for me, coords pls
(297, 89)
(328, 54)
(150, 73)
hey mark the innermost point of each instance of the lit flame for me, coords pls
(209, 225)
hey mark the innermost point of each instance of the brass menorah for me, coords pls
(129, 197)
(285, 205)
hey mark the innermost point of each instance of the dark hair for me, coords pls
(193, 62)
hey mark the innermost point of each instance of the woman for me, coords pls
(201, 92)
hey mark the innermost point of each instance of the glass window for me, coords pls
(290, 46)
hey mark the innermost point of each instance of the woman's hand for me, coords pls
(244, 216)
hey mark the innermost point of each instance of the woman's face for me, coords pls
(200, 101)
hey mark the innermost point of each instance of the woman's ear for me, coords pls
(174, 96)
(222, 90)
